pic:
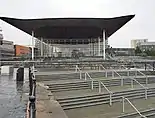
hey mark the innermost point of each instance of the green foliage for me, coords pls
(138, 50)
(150, 52)
(22, 58)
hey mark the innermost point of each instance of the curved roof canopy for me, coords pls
(77, 29)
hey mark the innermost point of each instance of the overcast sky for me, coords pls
(141, 26)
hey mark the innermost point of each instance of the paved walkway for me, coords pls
(47, 107)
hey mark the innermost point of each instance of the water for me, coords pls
(11, 103)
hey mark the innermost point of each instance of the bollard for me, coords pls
(30, 81)
(20, 74)
(29, 72)
(32, 107)
(34, 86)
(145, 66)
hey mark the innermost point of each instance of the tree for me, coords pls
(138, 50)
(150, 52)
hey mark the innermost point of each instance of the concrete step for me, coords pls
(106, 102)
(107, 81)
(70, 86)
(68, 89)
(87, 84)
(67, 84)
(95, 96)
(80, 86)
(107, 111)
(85, 101)
(148, 113)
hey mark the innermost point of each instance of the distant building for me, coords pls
(6, 49)
(21, 50)
(123, 51)
(147, 46)
(136, 42)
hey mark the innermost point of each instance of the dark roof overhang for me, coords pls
(77, 29)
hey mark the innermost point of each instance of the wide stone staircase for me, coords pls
(97, 105)
(77, 85)
(98, 99)
(47, 76)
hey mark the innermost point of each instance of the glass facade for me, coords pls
(49, 48)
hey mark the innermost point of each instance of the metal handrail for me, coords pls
(124, 66)
(123, 99)
(138, 83)
(102, 66)
(116, 73)
(110, 92)
(88, 75)
(77, 68)
(136, 70)
(145, 88)
(106, 88)
(92, 80)
(151, 66)
(122, 79)
(142, 74)
(106, 75)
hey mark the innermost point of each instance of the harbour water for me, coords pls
(11, 92)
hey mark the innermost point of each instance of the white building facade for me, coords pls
(6, 48)
(147, 46)
(137, 42)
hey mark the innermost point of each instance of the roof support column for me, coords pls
(98, 46)
(50, 50)
(90, 47)
(93, 47)
(104, 56)
(41, 48)
(32, 46)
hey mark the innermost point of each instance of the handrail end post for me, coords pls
(106, 74)
(99, 87)
(75, 68)
(80, 75)
(85, 76)
(110, 99)
(122, 82)
(123, 109)
(146, 93)
(92, 85)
